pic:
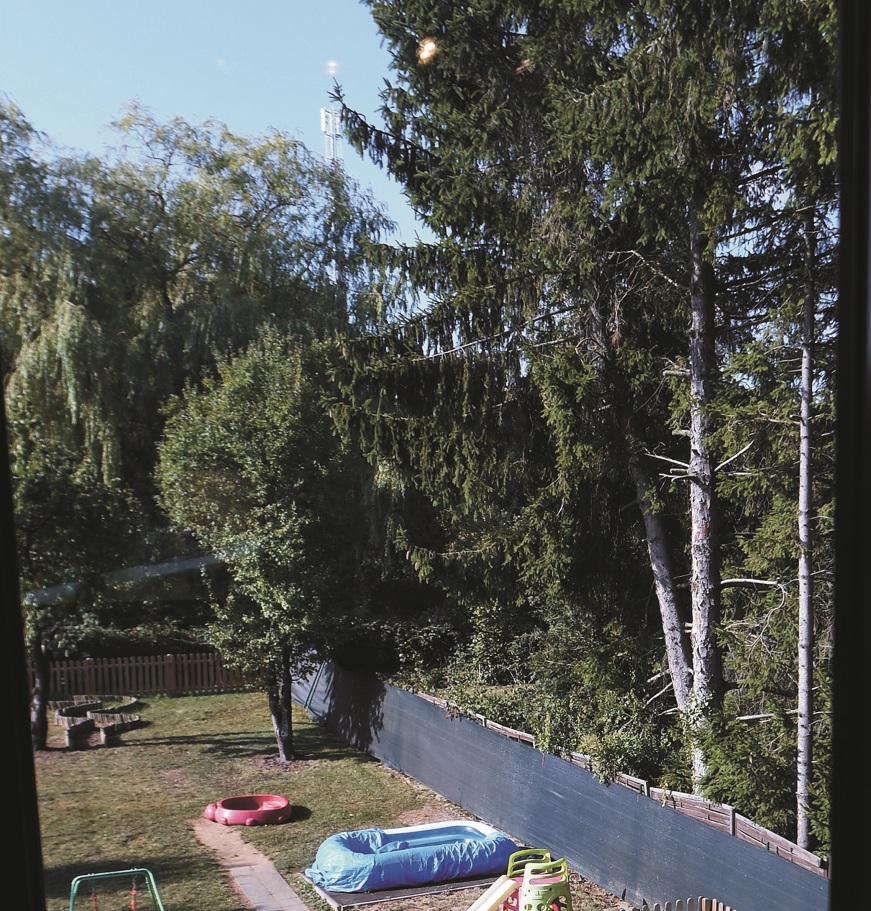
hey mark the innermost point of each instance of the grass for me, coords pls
(130, 804)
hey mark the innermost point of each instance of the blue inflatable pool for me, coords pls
(366, 860)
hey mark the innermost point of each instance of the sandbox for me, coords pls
(249, 810)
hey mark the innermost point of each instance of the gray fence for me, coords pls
(628, 843)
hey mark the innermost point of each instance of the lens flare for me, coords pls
(426, 50)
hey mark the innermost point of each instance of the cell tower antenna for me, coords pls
(331, 125)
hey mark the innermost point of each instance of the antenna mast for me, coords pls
(331, 126)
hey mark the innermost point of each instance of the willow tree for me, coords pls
(72, 524)
(601, 186)
(128, 278)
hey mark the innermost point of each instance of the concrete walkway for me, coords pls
(266, 888)
(251, 871)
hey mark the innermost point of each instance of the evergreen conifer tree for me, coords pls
(606, 197)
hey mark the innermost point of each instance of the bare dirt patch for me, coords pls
(226, 844)
(274, 764)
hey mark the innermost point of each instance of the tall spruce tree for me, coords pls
(528, 336)
(602, 193)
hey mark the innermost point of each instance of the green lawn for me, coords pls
(130, 804)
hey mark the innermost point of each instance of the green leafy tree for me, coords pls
(126, 279)
(252, 465)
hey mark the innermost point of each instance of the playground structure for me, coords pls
(534, 881)
(139, 877)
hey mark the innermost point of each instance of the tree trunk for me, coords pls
(704, 575)
(280, 708)
(804, 759)
(676, 644)
(39, 696)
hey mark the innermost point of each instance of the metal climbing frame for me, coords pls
(132, 874)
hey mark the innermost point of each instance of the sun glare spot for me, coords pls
(426, 50)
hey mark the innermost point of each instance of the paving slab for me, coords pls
(266, 888)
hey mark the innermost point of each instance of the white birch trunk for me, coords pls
(676, 649)
(676, 642)
(804, 760)
(704, 576)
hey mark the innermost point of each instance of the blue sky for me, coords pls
(72, 65)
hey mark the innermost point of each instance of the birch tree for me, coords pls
(599, 180)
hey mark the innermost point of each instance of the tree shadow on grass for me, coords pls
(164, 870)
(239, 745)
(299, 813)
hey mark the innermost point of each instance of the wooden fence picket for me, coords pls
(143, 675)
(689, 904)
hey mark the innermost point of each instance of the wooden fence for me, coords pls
(691, 904)
(720, 816)
(150, 675)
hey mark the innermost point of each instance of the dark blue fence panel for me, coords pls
(613, 836)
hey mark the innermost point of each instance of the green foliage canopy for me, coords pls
(251, 464)
(620, 195)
